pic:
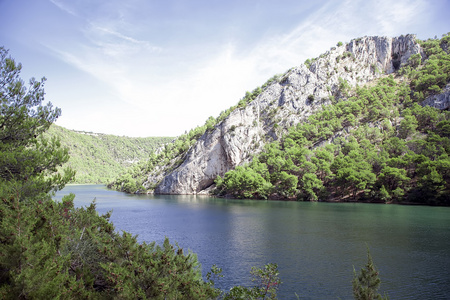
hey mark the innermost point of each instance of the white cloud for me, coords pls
(116, 44)
(64, 7)
(391, 16)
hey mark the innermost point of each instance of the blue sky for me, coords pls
(160, 68)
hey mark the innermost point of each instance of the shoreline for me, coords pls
(274, 199)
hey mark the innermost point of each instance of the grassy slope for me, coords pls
(97, 158)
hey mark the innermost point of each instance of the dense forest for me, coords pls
(373, 143)
(53, 250)
(98, 158)
(376, 143)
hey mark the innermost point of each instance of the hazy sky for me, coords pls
(160, 68)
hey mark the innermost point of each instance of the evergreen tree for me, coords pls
(267, 284)
(366, 283)
(26, 158)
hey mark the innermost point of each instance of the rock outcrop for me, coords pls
(284, 103)
(440, 101)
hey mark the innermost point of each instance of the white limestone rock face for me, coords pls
(284, 103)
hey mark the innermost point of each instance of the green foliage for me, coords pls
(28, 159)
(267, 283)
(347, 54)
(367, 282)
(339, 44)
(275, 78)
(344, 87)
(52, 250)
(375, 68)
(249, 97)
(244, 182)
(98, 158)
(434, 73)
(407, 126)
(415, 60)
(401, 153)
(150, 271)
(352, 173)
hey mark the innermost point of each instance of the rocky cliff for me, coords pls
(285, 102)
(440, 101)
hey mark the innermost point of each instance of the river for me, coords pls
(316, 245)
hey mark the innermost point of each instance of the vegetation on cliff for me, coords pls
(377, 143)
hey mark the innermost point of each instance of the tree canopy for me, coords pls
(27, 158)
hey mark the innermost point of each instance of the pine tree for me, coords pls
(27, 159)
(366, 283)
(267, 283)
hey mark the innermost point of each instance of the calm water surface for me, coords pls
(315, 245)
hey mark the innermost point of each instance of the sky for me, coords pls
(146, 68)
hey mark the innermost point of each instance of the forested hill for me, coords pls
(367, 120)
(98, 158)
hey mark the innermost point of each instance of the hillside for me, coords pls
(98, 158)
(356, 123)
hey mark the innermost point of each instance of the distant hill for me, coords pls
(98, 158)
